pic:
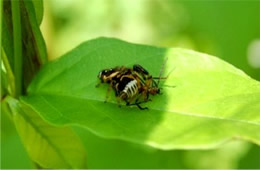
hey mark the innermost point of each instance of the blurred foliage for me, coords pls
(221, 28)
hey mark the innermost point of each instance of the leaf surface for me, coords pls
(205, 100)
(38, 8)
(47, 145)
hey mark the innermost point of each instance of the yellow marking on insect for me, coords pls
(114, 74)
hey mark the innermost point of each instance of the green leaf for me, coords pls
(11, 144)
(6, 70)
(117, 154)
(212, 101)
(38, 8)
(7, 32)
(35, 53)
(4, 85)
(47, 145)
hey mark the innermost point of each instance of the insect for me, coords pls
(130, 84)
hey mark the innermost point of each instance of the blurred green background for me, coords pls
(227, 29)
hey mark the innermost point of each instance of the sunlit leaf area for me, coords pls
(55, 114)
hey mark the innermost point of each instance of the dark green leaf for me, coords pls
(7, 32)
(211, 103)
(35, 53)
(38, 8)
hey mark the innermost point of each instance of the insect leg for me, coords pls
(129, 102)
(118, 101)
(154, 84)
(108, 92)
(138, 68)
(160, 78)
(141, 108)
(137, 103)
(144, 94)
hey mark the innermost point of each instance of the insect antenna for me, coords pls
(159, 77)
(163, 78)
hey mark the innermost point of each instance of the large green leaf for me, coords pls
(211, 103)
(47, 145)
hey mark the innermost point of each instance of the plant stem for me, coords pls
(17, 35)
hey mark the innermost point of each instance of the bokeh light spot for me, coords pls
(253, 53)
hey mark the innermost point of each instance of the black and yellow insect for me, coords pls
(130, 84)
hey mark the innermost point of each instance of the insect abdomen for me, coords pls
(131, 89)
